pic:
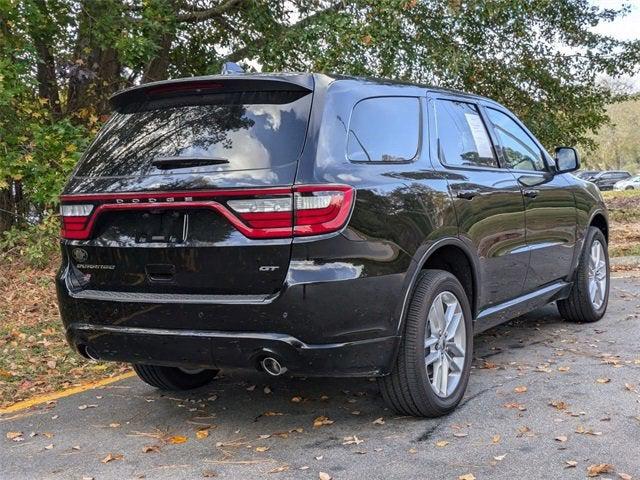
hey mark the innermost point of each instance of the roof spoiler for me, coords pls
(228, 83)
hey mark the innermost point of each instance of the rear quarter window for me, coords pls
(384, 129)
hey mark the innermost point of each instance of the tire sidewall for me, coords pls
(451, 284)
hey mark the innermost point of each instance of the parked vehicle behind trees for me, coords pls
(606, 180)
(632, 183)
(320, 225)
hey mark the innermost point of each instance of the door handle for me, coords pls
(530, 193)
(466, 194)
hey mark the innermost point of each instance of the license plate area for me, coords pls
(162, 227)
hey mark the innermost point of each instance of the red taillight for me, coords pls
(75, 219)
(257, 213)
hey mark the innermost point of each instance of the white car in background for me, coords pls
(632, 183)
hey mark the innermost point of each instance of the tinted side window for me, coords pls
(463, 137)
(384, 129)
(519, 150)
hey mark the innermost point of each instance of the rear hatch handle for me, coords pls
(166, 163)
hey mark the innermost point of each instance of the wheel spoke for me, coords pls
(453, 325)
(455, 350)
(431, 358)
(444, 378)
(430, 342)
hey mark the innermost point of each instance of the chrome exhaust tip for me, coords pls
(272, 366)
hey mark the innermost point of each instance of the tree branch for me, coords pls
(201, 15)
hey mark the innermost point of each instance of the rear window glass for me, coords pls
(384, 129)
(236, 131)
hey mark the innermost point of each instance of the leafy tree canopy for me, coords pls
(60, 60)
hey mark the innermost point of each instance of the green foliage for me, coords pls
(34, 244)
(618, 141)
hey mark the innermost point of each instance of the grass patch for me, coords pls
(34, 355)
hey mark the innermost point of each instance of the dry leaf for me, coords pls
(520, 389)
(413, 450)
(296, 399)
(202, 433)
(378, 421)
(460, 434)
(176, 439)
(111, 457)
(209, 474)
(518, 406)
(499, 458)
(629, 386)
(559, 404)
(625, 476)
(281, 468)
(324, 476)
(15, 436)
(561, 438)
(114, 425)
(467, 476)
(496, 439)
(251, 388)
(271, 414)
(150, 448)
(603, 380)
(571, 464)
(564, 369)
(321, 421)
(262, 449)
(597, 469)
(49, 447)
(267, 390)
(441, 443)
(352, 441)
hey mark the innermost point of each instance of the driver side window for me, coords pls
(519, 151)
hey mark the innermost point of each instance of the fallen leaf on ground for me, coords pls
(321, 421)
(150, 448)
(561, 438)
(378, 421)
(597, 469)
(625, 476)
(413, 450)
(271, 414)
(496, 439)
(324, 476)
(267, 390)
(499, 458)
(460, 434)
(281, 468)
(467, 476)
(558, 404)
(296, 399)
(520, 389)
(111, 457)
(518, 406)
(564, 369)
(570, 464)
(15, 436)
(441, 443)
(202, 433)
(603, 380)
(262, 449)
(176, 439)
(354, 440)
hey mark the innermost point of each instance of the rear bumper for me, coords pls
(213, 349)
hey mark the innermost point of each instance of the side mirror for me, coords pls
(567, 160)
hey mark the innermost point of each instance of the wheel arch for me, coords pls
(599, 220)
(449, 254)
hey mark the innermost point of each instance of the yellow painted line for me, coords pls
(48, 397)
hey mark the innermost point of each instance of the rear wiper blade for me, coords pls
(166, 163)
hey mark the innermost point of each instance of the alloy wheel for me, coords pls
(597, 274)
(444, 344)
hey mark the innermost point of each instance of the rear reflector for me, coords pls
(303, 210)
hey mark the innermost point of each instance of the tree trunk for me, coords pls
(157, 67)
(7, 207)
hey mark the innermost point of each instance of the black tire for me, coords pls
(172, 378)
(577, 307)
(407, 389)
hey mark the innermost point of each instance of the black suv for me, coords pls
(606, 180)
(320, 225)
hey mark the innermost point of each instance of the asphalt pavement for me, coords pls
(546, 399)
